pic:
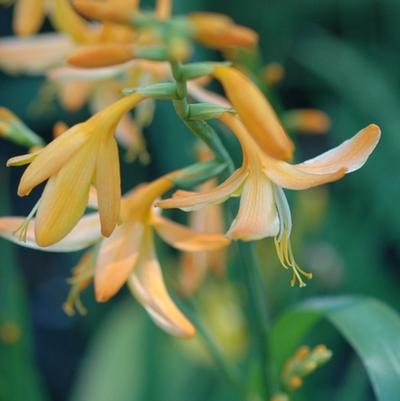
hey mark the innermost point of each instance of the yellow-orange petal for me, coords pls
(117, 257)
(108, 184)
(196, 200)
(64, 198)
(74, 94)
(185, 239)
(257, 217)
(291, 176)
(28, 16)
(67, 20)
(219, 31)
(350, 155)
(147, 284)
(256, 113)
(51, 158)
(101, 56)
(86, 233)
(105, 12)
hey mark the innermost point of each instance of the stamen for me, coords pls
(22, 231)
(282, 240)
(81, 277)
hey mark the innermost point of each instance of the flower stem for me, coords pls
(258, 310)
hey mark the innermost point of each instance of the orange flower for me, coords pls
(263, 210)
(129, 255)
(85, 153)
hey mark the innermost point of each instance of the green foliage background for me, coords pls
(341, 56)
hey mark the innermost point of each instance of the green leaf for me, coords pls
(113, 367)
(371, 327)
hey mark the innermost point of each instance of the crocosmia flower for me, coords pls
(86, 153)
(263, 210)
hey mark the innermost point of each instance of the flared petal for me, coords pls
(28, 16)
(108, 184)
(350, 155)
(256, 113)
(196, 200)
(86, 233)
(295, 176)
(52, 158)
(257, 217)
(34, 55)
(65, 197)
(147, 284)
(185, 239)
(117, 258)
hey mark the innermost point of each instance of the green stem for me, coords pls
(228, 371)
(252, 280)
(201, 129)
(259, 314)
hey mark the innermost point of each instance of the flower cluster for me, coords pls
(121, 66)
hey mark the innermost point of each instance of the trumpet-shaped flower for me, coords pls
(128, 255)
(86, 153)
(263, 210)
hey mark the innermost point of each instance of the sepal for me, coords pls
(164, 90)
(207, 111)
(13, 129)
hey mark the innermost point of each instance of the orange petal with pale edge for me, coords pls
(257, 217)
(185, 239)
(117, 257)
(28, 16)
(50, 159)
(196, 200)
(86, 233)
(147, 284)
(34, 55)
(64, 198)
(108, 184)
(256, 113)
(350, 155)
(295, 177)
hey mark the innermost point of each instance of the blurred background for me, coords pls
(338, 56)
